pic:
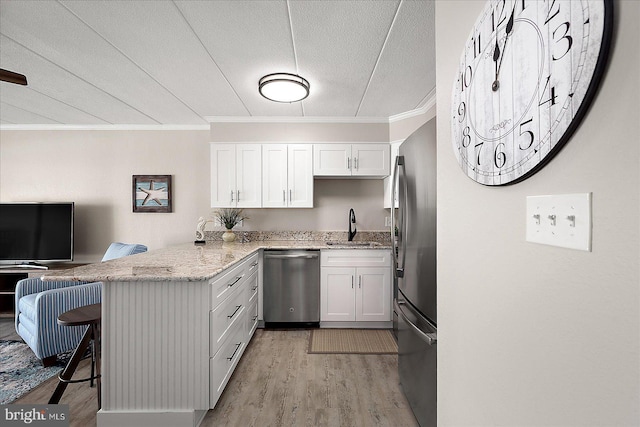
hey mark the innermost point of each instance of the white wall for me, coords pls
(94, 169)
(532, 335)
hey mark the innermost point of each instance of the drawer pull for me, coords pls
(238, 307)
(234, 352)
(254, 288)
(254, 265)
(235, 281)
(254, 318)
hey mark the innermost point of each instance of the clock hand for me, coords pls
(509, 30)
(496, 56)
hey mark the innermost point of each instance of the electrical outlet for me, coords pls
(387, 221)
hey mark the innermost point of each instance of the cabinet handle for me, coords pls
(359, 281)
(234, 352)
(351, 282)
(284, 197)
(290, 196)
(349, 163)
(232, 195)
(235, 281)
(254, 318)
(254, 265)
(355, 163)
(238, 198)
(238, 307)
(254, 288)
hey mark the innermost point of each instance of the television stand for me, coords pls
(30, 265)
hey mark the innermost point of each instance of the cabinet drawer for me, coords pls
(224, 284)
(222, 364)
(224, 317)
(355, 258)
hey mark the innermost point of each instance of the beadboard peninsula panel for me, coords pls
(156, 334)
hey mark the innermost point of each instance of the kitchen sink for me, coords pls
(362, 244)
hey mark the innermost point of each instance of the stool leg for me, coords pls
(68, 371)
(93, 357)
(97, 349)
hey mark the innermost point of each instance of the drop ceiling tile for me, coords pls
(12, 114)
(338, 44)
(407, 63)
(28, 99)
(182, 65)
(49, 79)
(53, 32)
(248, 40)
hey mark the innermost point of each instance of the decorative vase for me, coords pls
(228, 236)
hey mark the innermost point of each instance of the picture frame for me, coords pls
(152, 193)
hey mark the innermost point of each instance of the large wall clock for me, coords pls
(527, 75)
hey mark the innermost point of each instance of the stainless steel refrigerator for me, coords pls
(415, 270)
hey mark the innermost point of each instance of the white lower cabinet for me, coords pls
(223, 363)
(232, 321)
(355, 285)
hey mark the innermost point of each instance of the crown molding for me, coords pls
(428, 103)
(294, 119)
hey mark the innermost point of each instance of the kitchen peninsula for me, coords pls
(175, 322)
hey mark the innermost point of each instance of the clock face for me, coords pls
(526, 76)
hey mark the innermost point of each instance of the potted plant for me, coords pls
(229, 218)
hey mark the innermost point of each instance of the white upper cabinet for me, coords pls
(287, 176)
(332, 159)
(236, 174)
(370, 159)
(361, 160)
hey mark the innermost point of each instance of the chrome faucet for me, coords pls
(352, 221)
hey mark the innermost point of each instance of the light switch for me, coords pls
(560, 220)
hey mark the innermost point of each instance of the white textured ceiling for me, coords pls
(184, 62)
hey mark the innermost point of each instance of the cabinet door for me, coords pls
(332, 159)
(249, 176)
(373, 294)
(274, 176)
(300, 174)
(337, 294)
(370, 159)
(223, 175)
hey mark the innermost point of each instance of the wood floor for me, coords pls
(277, 383)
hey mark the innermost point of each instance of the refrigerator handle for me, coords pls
(429, 338)
(404, 207)
(397, 272)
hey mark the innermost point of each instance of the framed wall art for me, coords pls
(152, 193)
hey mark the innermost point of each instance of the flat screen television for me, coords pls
(34, 233)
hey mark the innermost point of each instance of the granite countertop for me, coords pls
(186, 262)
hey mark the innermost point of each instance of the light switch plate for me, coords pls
(562, 220)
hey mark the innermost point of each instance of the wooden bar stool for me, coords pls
(87, 315)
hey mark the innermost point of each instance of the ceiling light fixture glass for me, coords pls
(283, 87)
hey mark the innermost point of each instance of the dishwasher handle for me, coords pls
(293, 256)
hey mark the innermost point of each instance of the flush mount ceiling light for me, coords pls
(283, 87)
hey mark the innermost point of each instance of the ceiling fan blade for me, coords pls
(11, 77)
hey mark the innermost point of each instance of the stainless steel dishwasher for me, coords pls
(291, 288)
